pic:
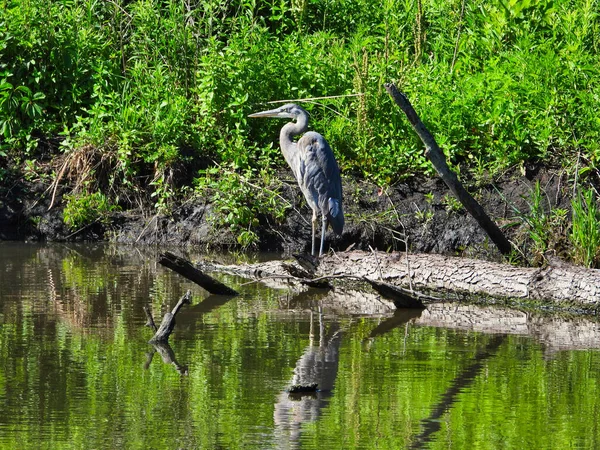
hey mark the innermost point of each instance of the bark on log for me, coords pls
(187, 270)
(565, 286)
(437, 158)
(568, 285)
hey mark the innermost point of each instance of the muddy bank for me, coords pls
(420, 212)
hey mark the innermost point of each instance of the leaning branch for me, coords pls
(437, 158)
(187, 270)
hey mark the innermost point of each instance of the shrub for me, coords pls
(84, 209)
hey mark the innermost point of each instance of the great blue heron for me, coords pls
(314, 167)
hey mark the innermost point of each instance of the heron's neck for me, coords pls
(290, 130)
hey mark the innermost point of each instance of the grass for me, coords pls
(585, 231)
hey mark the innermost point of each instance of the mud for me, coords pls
(416, 212)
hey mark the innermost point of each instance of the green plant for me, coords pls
(453, 205)
(161, 85)
(84, 209)
(17, 103)
(239, 200)
(424, 216)
(544, 226)
(585, 230)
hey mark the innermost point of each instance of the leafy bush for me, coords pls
(85, 209)
(240, 200)
(165, 84)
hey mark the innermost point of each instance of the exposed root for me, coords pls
(84, 168)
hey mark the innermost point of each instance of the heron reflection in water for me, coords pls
(314, 167)
(318, 365)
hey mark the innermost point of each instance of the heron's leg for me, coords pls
(314, 227)
(323, 235)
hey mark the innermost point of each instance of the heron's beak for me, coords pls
(272, 113)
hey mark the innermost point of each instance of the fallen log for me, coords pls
(187, 270)
(564, 286)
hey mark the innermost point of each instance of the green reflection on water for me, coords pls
(75, 369)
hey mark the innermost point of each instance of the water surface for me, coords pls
(76, 370)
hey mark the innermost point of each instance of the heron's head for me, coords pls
(287, 111)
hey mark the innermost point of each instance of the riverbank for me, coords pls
(130, 124)
(419, 212)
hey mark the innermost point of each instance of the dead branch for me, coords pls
(187, 270)
(168, 322)
(437, 158)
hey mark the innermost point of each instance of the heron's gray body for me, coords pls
(319, 179)
(314, 166)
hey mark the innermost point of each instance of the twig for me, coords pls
(146, 227)
(57, 181)
(150, 323)
(405, 242)
(316, 98)
(119, 7)
(377, 261)
(410, 285)
(460, 22)
(82, 228)
(312, 100)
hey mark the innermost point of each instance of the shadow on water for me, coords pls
(318, 366)
(433, 424)
(400, 317)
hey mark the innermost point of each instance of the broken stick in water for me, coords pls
(168, 323)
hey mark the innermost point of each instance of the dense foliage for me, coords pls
(140, 95)
(161, 82)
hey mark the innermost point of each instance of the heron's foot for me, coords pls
(310, 263)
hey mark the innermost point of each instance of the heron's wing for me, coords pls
(320, 162)
(320, 177)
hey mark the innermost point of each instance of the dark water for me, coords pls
(76, 370)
